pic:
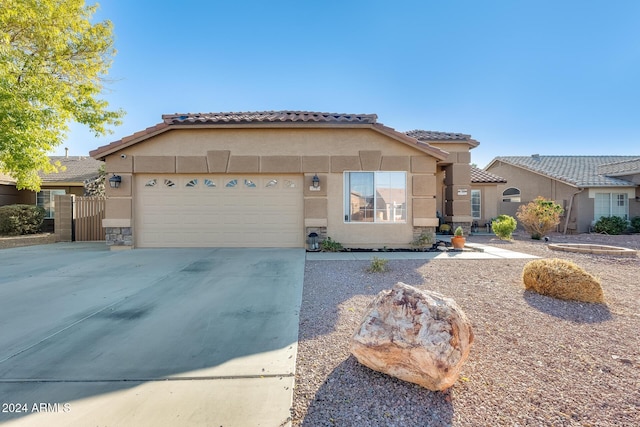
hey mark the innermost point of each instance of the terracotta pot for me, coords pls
(458, 242)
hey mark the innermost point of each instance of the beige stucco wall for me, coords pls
(532, 185)
(326, 151)
(488, 202)
(268, 142)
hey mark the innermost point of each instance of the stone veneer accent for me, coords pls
(320, 231)
(119, 236)
(417, 231)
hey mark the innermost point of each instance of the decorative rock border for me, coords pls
(593, 249)
(27, 240)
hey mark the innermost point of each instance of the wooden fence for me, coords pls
(87, 219)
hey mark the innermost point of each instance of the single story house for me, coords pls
(68, 180)
(588, 187)
(269, 179)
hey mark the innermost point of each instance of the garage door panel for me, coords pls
(197, 210)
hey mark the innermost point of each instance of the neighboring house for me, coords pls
(587, 187)
(77, 169)
(247, 179)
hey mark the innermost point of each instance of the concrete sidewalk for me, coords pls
(149, 337)
(472, 251)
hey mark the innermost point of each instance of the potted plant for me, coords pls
(458, 240)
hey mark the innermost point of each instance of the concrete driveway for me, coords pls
(148, 337)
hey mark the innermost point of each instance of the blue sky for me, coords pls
(522, 77)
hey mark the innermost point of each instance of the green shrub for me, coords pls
(635, 224)
(610, 225)
(424, 240)
(504, 226)
(378, 265)
(539, 217)
(21, 219)
(329, 245)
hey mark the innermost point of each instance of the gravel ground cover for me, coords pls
(535, 361)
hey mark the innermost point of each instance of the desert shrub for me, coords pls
(504, 226)
(539, 217)
(378, 265)
(330, 245)
(562, 279)
(21, 219)
(635, 224)
(610, 225)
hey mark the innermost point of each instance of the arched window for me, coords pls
(511, 195)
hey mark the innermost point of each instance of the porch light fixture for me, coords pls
(315, 181)
(114, 181)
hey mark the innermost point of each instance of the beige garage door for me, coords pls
(218, 211)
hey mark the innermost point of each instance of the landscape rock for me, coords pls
(417, 336)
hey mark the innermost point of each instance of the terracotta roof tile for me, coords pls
(429, 135)
(480, 176)
(268, 117)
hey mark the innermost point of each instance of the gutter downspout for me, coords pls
(566, 221)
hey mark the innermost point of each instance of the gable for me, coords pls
(275, 131)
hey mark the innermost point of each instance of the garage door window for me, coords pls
(375, 197)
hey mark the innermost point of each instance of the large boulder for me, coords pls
(562, 279)
(417, 336)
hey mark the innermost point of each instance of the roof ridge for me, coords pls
(268, 116)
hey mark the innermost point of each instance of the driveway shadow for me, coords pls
(94, 322)
(572, 311)
(332, 404)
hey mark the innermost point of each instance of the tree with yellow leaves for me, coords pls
(53, 63)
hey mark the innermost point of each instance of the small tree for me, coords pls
(504, 226)
(539, 217)
(54, 59)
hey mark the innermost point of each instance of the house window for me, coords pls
(511, 195)
(611, 204)
(46, 200)
(475, 204)
(378, 197)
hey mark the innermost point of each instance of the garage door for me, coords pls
(218, 211)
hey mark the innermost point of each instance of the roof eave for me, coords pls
(410, 141)
(102, 152)
(62, 184)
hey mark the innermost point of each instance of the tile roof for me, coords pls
(627, 167)
(429, 135)
(480, 176)
(78, 169)
(580, 171)
(6, 179)
(269, 117)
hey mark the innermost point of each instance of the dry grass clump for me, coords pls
(562, 279)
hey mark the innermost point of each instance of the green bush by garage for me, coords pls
(18, 220)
